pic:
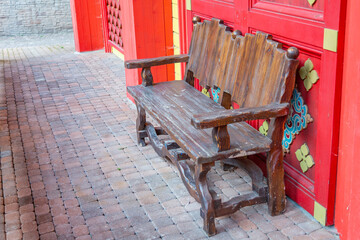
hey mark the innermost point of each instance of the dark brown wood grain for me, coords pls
(253, 71)
(225, 117)
(151, 62)
(179, 103)
(140, 124)
(221, 137)
(146, 76)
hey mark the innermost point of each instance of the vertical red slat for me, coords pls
(347, 208)
(87, 25)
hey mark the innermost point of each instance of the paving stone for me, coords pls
(309, 226)
(292, 231)
(277, 235)
(281, 223)
(247, 225)
(237, 233)
(162, 222)
(257, 234)
(322, 234)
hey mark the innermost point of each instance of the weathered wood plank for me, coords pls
(181, 101)
(151, 62)
(225, 117)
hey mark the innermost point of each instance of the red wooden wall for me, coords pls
(145, 35)
(347, 209)
(87, 25)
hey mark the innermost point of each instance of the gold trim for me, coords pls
(117, 53)
(320, 213)
(330, 40)
(188, 5)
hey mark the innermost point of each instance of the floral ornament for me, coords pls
(311, 2)
(298, 119)
(205, 92)
(215, 94)
(264, 128)
(308, 74)
(304, 157)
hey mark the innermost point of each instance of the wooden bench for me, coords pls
(252, 71)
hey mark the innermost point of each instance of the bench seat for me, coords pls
(174, 103)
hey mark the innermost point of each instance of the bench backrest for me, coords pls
(253, 69)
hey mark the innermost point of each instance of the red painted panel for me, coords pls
(319, 6)
(347, 209)
(290, 11)
(223, 10)
(146, 36)
(87, 25)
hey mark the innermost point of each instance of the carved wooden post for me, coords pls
(274, 162)
(221, 138)
(207, 203)
(140, 124)
(275, 168)
(146, 75)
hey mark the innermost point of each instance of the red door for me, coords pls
(315, 27)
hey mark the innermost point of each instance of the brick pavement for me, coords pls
(71, 168)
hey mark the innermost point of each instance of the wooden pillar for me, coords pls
(146, 31)
(87, 25)
(347, 206)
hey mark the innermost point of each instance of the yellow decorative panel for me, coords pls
(117, 53)
(177, 76)
(176, 50)
(176, 40)
(176, 36)
(320, 213)
(175, 11)
(178, 68)
(176, 25)
(311, 2)
(330, 39)
(188, 5)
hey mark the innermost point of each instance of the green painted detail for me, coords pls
(303, 166)
(308, 74)
(205, 92)
(330, 39)
(320, 213)
(305, 149)
(299, 155)
(309, 161)
(264, 128)
(311, 2)
(304, 157)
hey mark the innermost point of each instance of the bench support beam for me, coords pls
(275, 169)
(140, 124)
(221, 138)
(194, 177)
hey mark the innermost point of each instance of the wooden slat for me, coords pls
(250, 68)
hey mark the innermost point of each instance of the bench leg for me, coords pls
(275, 171)
(140, 124)
(207, 211)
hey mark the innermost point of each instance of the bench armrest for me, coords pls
(150, 62)
(225, 117)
